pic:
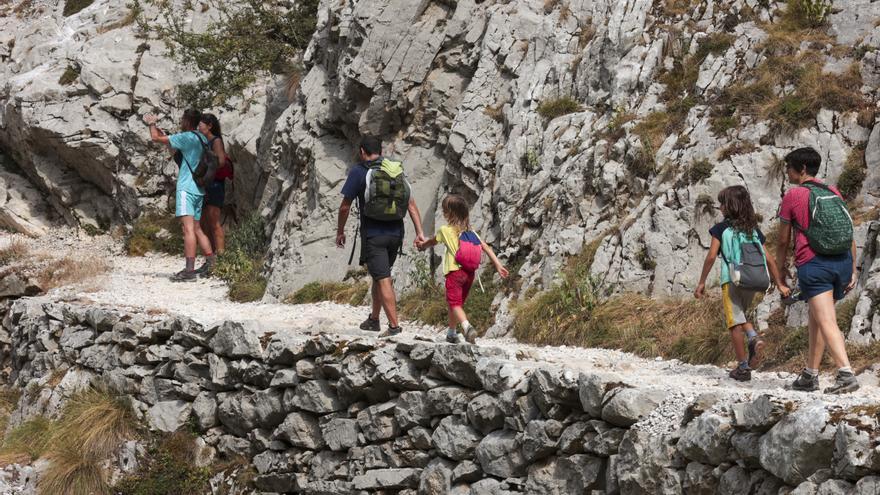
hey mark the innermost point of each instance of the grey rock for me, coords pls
(869, 485)
(835, 487)
(169, 416)
(572, 439)
(421, 438)
(436, 478)
(377, 422)
(499, 454)
(235, 339)
(707, 439)
(701, 479)
(300, 430)
(626, 406)
(485, 414)
(316, 396)
(327, 465)
(448, 400)
(499, 375)
(805, 488)
(285, 349)
(384, 479)
(799, 444)
(204, 409)
(563, 475)
(268, 409)
(412, 410)
(232, 446)
(466, 472)
(284, 378)
(747, 447)
(459, 362)
(340, 433)
(592, 388)
(554, 387)
(759, 415)
(237, 412)
(855, 452)
(604, 440)
(649, 463)
(454, 439)
(540, 439)
(734, 481)
(396, 369)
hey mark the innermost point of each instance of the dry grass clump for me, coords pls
(26, 442)
(352, 293)
(69, 270)
(168, 468)
(557, 107)
(15, 251)
(155, 232)
(737, 148)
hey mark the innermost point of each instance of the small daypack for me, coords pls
(470, 251)
(387, 193)
(746, 260)
(831, 227)
(205, 171)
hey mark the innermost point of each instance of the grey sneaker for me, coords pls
(205, 270)
(470, 335)
(390, 332)
(756, 351)
(184, 276)
(805, 382)
(370, 325)
(452, 337)
(843, 384)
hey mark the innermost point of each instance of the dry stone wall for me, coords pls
(323, 414)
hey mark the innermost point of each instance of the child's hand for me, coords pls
(700, 291)
(502, 271)
(784, 291)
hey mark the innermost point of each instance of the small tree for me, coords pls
(250, 38)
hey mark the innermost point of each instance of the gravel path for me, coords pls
(142, 283)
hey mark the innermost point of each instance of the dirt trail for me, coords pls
(143, 283)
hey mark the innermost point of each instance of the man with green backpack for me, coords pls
(825, 256)
(384, 197)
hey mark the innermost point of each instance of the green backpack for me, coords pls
(387, 194)
(831, 227)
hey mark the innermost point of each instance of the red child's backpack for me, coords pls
(470, 251)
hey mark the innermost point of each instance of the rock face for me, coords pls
(427, 433)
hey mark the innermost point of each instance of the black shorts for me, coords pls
(215, 194)
(379, 254)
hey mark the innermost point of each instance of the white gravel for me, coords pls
(143, 283)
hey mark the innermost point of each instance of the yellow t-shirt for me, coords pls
(448, 236)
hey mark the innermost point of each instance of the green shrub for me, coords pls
(352, 293)
(71, 74)
(250, 39)
(853, 175)
(241, 265)
(74, 6)
(155, 232)
(557, 107)
(531, 160)
(809, 13)
(168, 468)
(700, 170)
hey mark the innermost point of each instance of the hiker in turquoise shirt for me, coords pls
(189, 197)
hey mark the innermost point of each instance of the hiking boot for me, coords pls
(390, 332)
(844, 383)
(184, 276)
(452, 337)
(741, 374)
(370, 325)
(470, 335)
(805, 382)
(756, 351)
(205, 270)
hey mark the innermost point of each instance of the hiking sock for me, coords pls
(845, 369)
(209, 259)
(744, 364)
(751, 334)
(465, 325)
(812, 372)
(450, 333)
(190, 264)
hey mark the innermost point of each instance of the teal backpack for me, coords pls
(746, 260)
(831, 227)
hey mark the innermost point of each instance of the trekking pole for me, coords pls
(357, 231)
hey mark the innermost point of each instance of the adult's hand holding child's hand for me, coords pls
(700, 291)
(784, 290)
(503, 272)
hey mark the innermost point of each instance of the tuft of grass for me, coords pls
(846, 310)
(339, 292)
(169, 468)
(674, 8)
(700, 170)
(75, 6)
(70, 75)
(615, 129)
(241, 266)
(155, 232)
(854, 173)
(557, 107)
(15, 251)
(69, 270)
(737, 148)
(27, 442)
(8, 402)
(704, 206)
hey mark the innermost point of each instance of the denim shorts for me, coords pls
(825, 273)
(215, 194)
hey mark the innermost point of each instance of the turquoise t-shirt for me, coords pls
(191, 145)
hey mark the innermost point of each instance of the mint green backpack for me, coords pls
(746, 260)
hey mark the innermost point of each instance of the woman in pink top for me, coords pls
(822, 279)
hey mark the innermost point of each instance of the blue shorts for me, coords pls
(189, 204)
(825, 273)
(215, 194)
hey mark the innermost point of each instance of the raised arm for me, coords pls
(156, 135)
(498, 266)
(708, 263)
